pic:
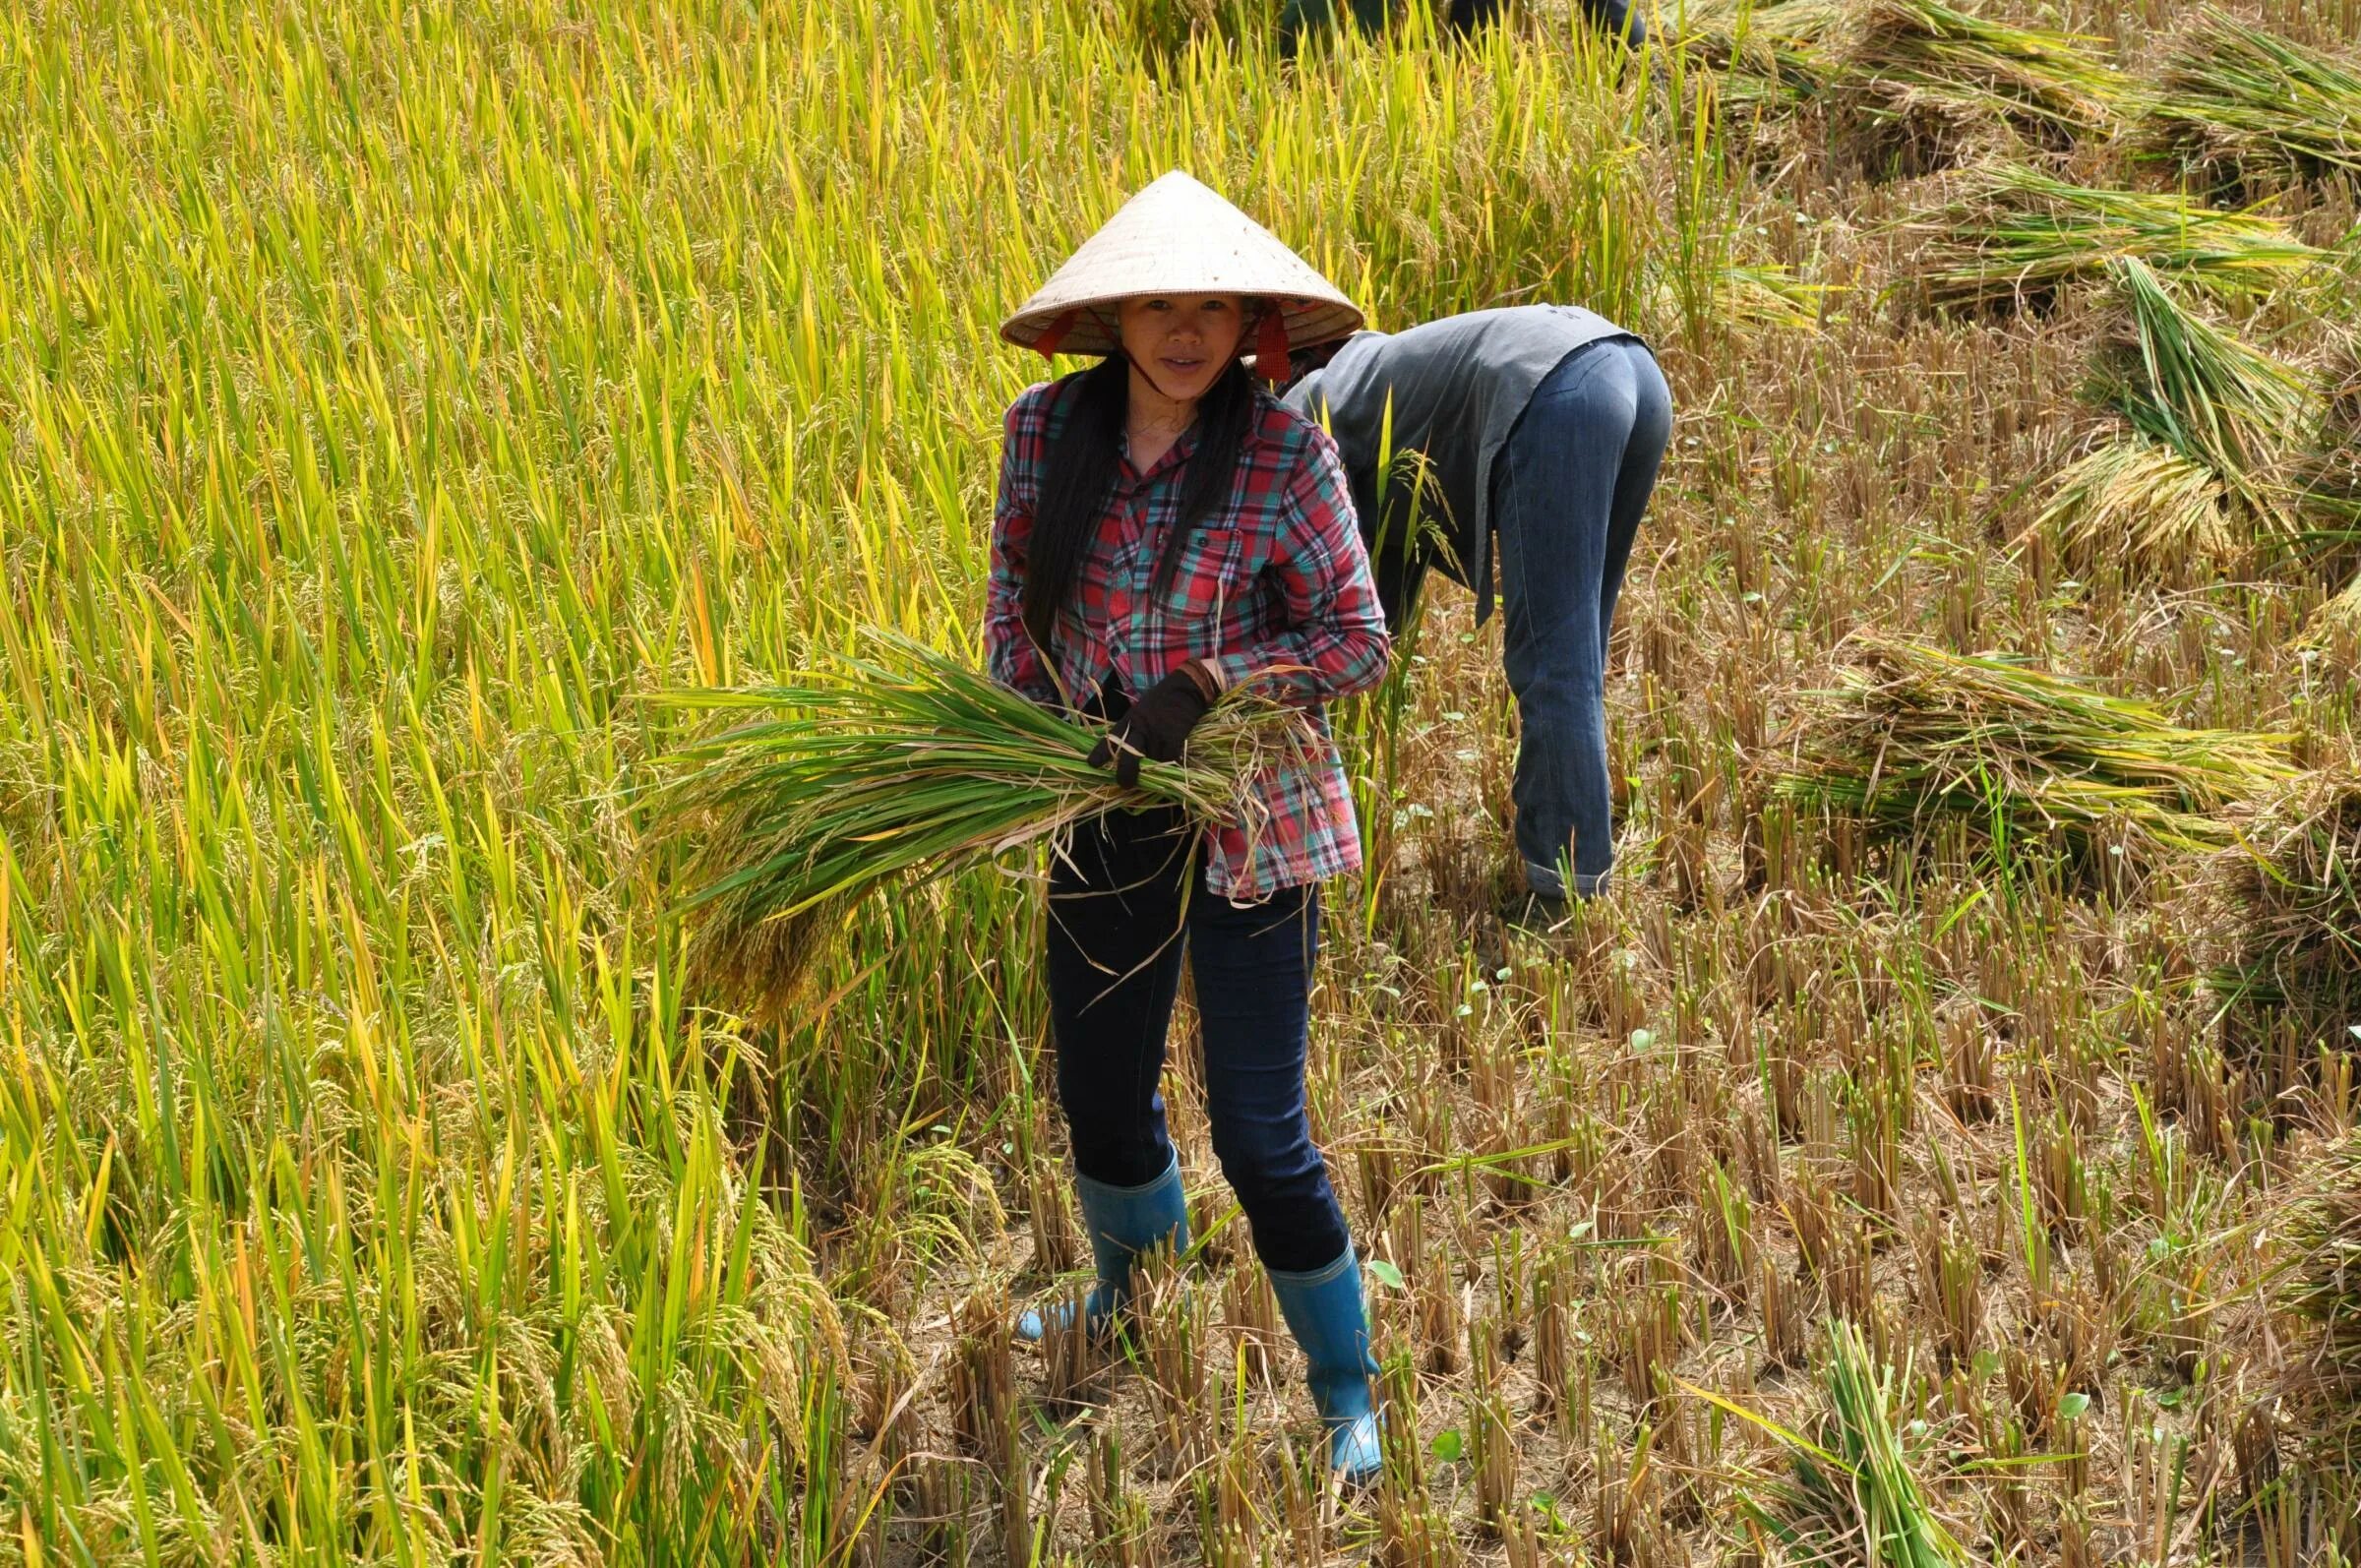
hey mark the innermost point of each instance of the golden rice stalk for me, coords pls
(2139, 502)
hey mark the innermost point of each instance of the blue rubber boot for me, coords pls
(1122, 1223)
(1331, 1322)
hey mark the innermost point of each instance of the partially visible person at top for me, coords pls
(1537, 430)
(1167, 532)
(1298, 18)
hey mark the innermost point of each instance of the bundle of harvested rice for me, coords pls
(904, 767)
(2294, 881)
(2205, 393)
(1912, 736)
(1774, 54)
(1938, 73)
(2142, 504)
(2015, 235)
(2320, 1289)
(2234, 102)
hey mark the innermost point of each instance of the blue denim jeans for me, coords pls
(1569, 488)
(1118, 927)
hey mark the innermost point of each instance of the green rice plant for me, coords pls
(2234, 100)
(1933, 70)
(2012, 235)
(1914, 734)
(1855, 1495)
(2207, 393)
(2143, 503)
(906, 766)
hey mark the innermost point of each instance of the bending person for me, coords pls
(1540, 427)
(1165, 531)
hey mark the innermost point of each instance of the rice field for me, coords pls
(415, 417)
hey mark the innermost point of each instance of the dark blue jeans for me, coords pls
(1118, 927)
(1568, 489)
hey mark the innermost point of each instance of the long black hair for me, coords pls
(1081, 472)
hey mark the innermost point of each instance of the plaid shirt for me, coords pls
(1273, 583)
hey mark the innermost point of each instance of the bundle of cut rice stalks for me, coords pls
(2199, 480)
(2235, 101)
(2012, 235)
(1774, 55)
(1912, 736)
(2335, 626)
(2293, 882)
(898, 768)
(2204, 391)
(1939, 76)
(2139, 502)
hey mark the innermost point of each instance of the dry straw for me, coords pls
(901, 768)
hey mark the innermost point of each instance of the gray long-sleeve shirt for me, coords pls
(1454, 388)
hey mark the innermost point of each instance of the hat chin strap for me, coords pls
(1145, 374)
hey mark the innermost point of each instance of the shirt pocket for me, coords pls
(1216, 571)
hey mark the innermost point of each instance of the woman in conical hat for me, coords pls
(1165, 531)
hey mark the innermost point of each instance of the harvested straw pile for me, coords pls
(2012, 235)
(1912, 736)
(2321, 1290)
(1939, 76)
(899, 768)
(2235, 101)
(2294, 882)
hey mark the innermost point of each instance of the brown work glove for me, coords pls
(1157, 725)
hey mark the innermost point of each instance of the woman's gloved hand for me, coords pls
(1157, 725)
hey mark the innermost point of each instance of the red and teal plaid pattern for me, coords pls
(1274, 585)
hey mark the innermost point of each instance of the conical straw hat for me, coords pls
(1178, 237)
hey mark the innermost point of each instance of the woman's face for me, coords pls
(1184, 340)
